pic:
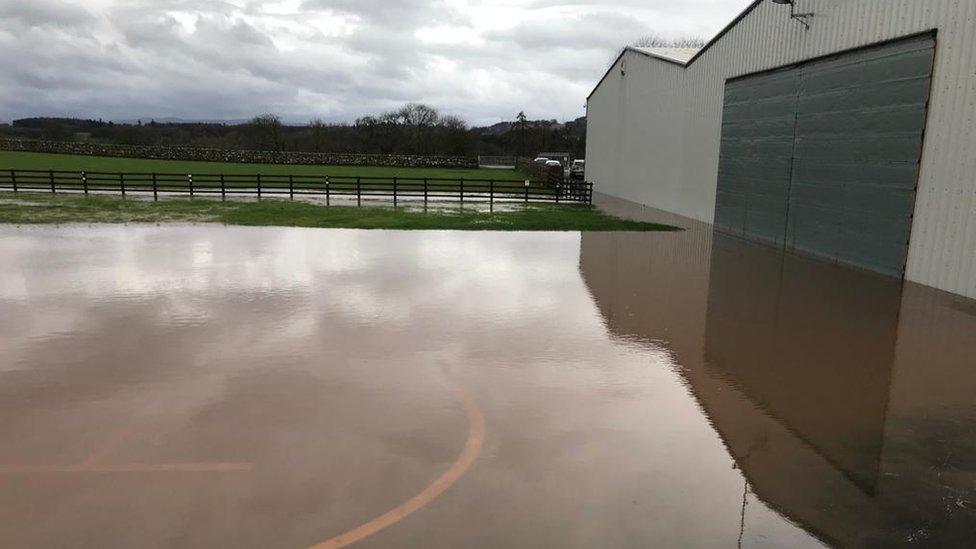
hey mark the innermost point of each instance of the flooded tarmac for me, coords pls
(210, 386)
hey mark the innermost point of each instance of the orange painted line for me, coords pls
(472, 447)
(130, 468)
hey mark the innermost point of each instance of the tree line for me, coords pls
(414, 129)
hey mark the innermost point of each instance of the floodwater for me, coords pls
(210, 386)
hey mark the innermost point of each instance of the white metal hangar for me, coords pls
(841, 128)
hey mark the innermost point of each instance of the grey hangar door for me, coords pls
(823, 157)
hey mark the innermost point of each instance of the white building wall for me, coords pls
(653, 135)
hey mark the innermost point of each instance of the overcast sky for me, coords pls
(333, 59)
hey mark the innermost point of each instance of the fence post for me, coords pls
(223, 189)
(359, 192)
(557, 193)
(259, 186)
(526, 191)
(84, 182)
(491, 195)
(122, 183)
(394, 192)
(291, 187)
(589, 193)
(189, 179)
(50, 175)
(425, 192)
(13, 179)
(328, 193)
(155, 188)
(461, 191)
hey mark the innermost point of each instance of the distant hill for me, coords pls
(502, 128)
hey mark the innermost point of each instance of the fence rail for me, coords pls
(292, 185)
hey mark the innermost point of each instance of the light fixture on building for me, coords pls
(801, 17)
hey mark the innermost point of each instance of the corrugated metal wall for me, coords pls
(654, 133)
(757, 156)
(823, 156)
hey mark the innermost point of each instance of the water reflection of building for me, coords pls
(845, 398)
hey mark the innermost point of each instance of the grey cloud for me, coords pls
(396, 13)
(332, 59)
(589, 30)
(36, 13)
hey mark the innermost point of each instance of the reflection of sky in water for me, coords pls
(370, 275)
(345, 342)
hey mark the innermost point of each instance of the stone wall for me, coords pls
(236, 156)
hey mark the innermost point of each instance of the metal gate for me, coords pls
(823, 156)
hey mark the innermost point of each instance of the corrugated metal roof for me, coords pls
(680, 55)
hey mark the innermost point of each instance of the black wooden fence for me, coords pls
(292, 185)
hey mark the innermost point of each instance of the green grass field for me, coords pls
(35, 207)
(31, 208)
(44, 161)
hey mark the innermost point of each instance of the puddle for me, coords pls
(185, 385)
(439, 204)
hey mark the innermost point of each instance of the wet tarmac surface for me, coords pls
(210, 386)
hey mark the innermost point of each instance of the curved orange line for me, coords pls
(472, 447)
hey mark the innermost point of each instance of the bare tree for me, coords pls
(265, 131)
(413, 126)
(454, 134)
(414, 114)
(320, 139)
(422, 116)
(453, 122)
(366, 121)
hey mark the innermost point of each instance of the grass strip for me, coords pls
(33, 208)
